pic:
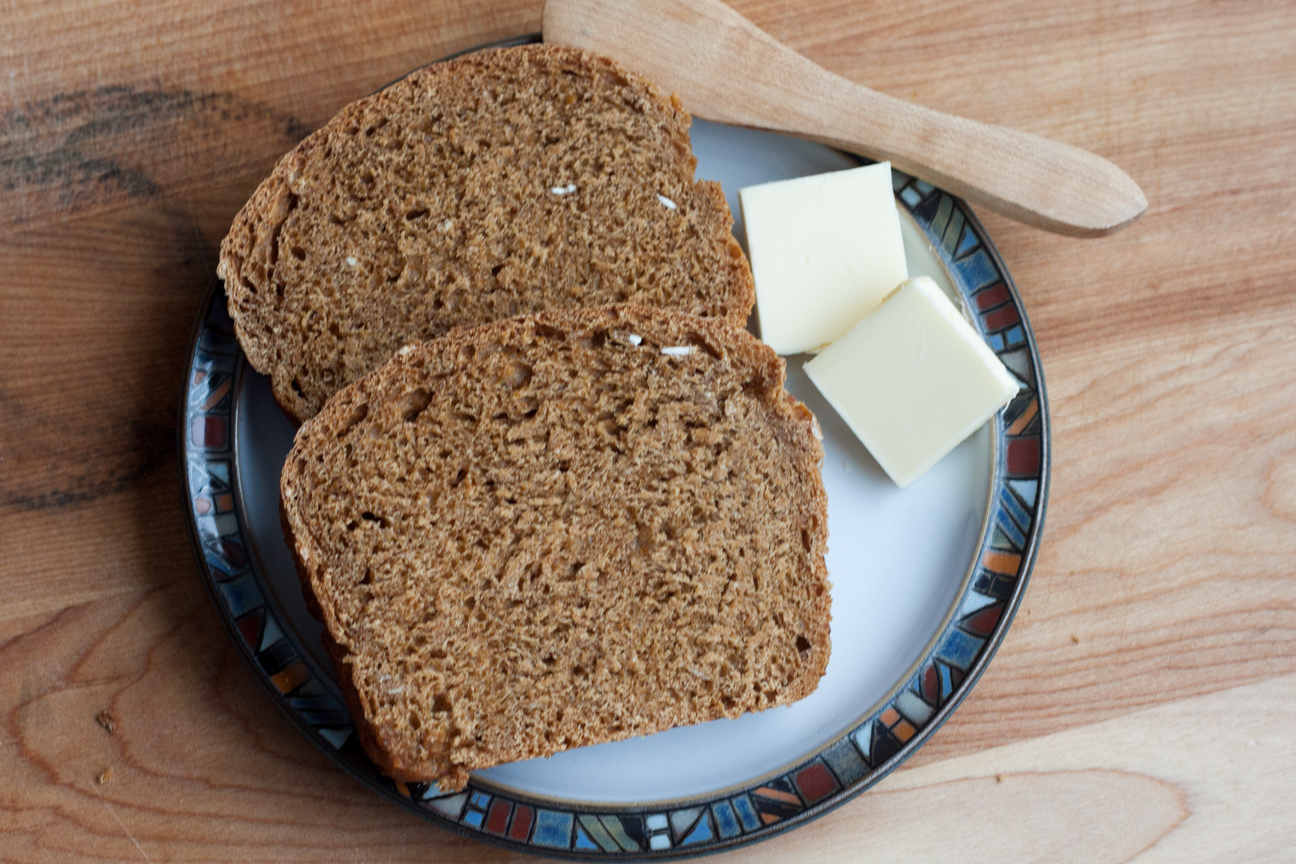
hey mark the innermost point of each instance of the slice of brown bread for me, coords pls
(498, 184)
(560, 530)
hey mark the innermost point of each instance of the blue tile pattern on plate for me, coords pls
(975, 601)
(553, 829)
(746, 813)
(700, 833)
(658, 831)
(1025, 490)
(1014, 509)
(726, 821)
(946, 682)
(242, 594)
(1010, 529)
(976, 270)
(583, 841)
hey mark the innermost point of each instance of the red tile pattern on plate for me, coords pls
(992, 297)
(1023, 457)
(497, 818)
(815, 782)
(522, 819)
(1001, 318)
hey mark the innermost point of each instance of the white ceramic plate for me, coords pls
(925, 581)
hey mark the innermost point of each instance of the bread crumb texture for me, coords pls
(498, 184)
(549, 532)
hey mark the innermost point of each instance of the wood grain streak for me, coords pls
(1140, 708)
(1201, 779)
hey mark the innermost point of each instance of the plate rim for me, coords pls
(192, 451)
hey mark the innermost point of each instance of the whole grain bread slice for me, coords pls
(497, 184)
(559, 530)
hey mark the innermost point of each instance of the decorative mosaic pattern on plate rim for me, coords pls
(874, 746)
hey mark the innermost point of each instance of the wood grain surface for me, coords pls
(1141, 707)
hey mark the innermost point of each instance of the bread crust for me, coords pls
(786, 513)
(430, 205)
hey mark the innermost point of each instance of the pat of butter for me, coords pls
(824, 252)
(912, 380)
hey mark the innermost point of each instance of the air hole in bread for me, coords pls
(593, 339)
(644, 539)
(357, 415)
(416, 402)
(702, 342)
(544, 331)
(517, 376)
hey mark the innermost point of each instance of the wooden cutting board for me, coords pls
(1142, 706)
